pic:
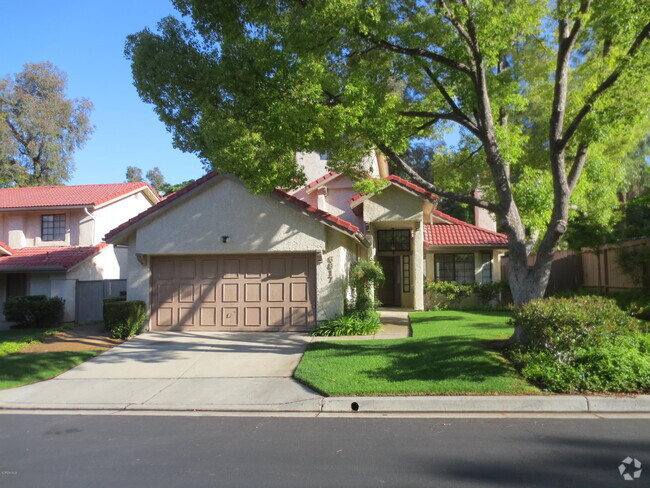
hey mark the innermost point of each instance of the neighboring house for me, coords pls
(52, 237)
(214, 256)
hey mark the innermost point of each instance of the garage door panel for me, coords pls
(253, 316)
(252, 292)
(208, 269)
(229, 316)
(253, 268)
(208, 316)
(275, 292)
(298, 292)
(275, 316)
(231, 292)
(164, 293)
(186, 293)
(164, 317)
(231, 268)
(208, 293)
(299, 316)
(187, 269)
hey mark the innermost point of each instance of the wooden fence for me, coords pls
(589, 269)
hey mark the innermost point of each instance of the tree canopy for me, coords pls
(40, 129)
(546, 97)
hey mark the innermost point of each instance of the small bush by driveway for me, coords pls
(450, 353)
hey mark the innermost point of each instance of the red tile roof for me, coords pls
(50, 257)
(459, 233)
(326, 177)
(5, 249)
(65, 196)
(321, 214)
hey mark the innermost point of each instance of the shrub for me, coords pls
(354, 323)
(445, 294)
(365, 276)
(583, 343)
(124, 318)
(36, 311)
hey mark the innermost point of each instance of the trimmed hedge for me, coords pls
(36, 311)
(449, 294)
(582, 344)
(124, 318)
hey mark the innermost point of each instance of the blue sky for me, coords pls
(85, 38)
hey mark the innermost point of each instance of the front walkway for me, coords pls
(394, 325)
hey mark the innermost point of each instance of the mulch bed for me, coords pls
(91, 337)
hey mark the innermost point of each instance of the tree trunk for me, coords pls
(527, 283)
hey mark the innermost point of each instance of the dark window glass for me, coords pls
(406, 274)
(486, 267)
(53, 227)
(394, 240)
(454, 267)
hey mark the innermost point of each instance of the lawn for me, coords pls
(450, 353)
(19, 369)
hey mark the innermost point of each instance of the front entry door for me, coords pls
(389, 293)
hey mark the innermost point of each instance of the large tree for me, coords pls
(543, 94)
(40, 129)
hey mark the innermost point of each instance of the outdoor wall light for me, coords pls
(225, 239)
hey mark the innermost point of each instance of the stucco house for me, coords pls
(51, 237)
(214, 256)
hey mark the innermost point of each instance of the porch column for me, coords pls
(418, 267)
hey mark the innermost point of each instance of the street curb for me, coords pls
(377, 405)
(485, 404)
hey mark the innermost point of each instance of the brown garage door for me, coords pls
(234, 292)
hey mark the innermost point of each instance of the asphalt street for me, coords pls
(180, 451)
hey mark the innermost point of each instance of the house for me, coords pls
(51, 237)
(214, 256)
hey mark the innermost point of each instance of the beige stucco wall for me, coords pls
(109, 264)
(392, 204)
(254, 223)
(110, 216)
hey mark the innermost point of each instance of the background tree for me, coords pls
(40, 129)
(156, 178)
(546, 97)
(133, 174)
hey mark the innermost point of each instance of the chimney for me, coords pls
(382, 165)
(483, 218)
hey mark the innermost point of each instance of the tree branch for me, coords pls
(609, 81)
(436, 116)
(459, 197)
(578, 165)
(469, 124)
(418, 53)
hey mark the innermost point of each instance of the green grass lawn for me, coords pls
(20, 369)
(450, 353)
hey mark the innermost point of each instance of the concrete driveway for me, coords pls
(181, 371)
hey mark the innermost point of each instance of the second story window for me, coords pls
(53, 227)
